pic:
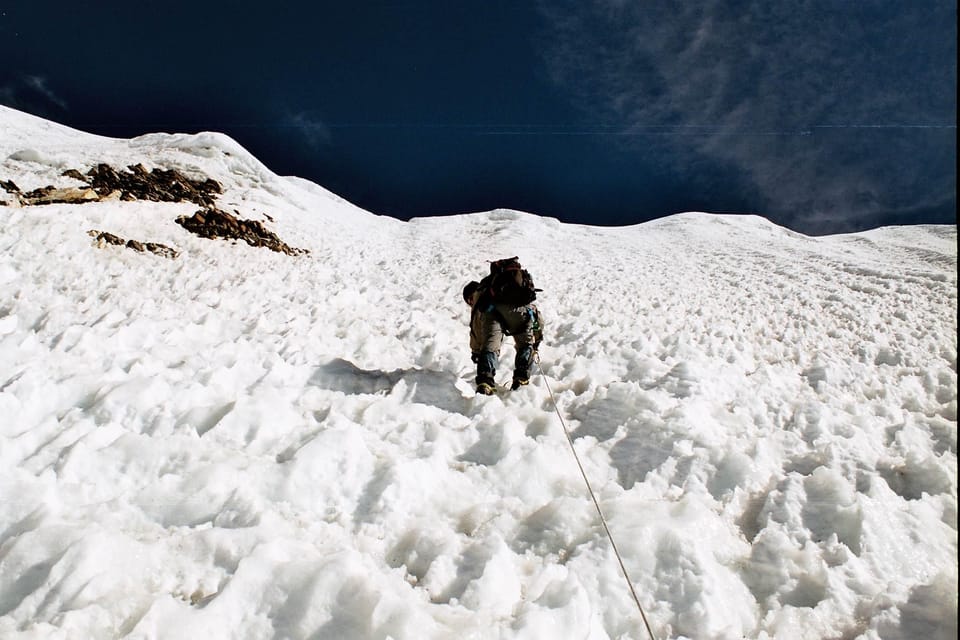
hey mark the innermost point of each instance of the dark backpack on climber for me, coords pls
(509, 284)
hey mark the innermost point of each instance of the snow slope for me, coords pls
(243, 444)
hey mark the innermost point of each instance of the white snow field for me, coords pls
(242, 444)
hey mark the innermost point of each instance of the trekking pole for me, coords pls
(593, 496)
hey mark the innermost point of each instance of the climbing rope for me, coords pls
(593, 496)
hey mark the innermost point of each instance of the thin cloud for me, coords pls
(835, 112)
(312, 130)
(33, 93)
(39, 85)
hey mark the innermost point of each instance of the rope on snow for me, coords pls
(596, 503)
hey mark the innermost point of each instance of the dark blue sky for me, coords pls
(823, 116)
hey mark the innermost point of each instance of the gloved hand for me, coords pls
(475, 357)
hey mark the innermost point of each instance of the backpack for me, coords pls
(509, 283)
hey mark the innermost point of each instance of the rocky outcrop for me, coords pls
(14, 190)
(214, 223)
(52, 195)
(103, 238)
(105, 183)
(157, 185)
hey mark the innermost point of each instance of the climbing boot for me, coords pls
(519, 382)
(485, 388)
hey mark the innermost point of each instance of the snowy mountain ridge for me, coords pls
(238, 443)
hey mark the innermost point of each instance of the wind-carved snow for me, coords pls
(243, 444)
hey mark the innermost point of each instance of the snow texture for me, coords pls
(240, 444)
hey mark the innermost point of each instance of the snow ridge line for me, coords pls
(596, 503)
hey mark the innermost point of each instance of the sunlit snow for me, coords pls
(241, 444)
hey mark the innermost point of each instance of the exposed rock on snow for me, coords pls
(158, 185)
(214, 223)
(103, 238)
(50, 195)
